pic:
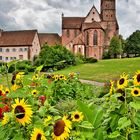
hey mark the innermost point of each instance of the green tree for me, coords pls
(55, 56)
(115, 47)
(132, 45)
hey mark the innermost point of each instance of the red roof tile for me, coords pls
(17, 38)
(93, 25)
(49, 38)
(72, 22)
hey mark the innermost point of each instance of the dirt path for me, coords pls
(92, 82)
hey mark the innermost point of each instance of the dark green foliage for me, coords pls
(24, 65)
(56, 57)
(133, 44)
(91, 60)
(106, 55)
(115, 47)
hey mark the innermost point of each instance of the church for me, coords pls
(91, 35)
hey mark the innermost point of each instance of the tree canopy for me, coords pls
(132, 45)
(115, 47)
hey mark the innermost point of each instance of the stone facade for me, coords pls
(91, 35)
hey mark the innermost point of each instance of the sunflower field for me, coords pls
(59, 107)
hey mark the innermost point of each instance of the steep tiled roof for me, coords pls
(93, 25)
(17, 38)
(72, 22)
(49, 38)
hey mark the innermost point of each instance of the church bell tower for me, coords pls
(108, 10)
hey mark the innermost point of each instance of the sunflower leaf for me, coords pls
(135, 105)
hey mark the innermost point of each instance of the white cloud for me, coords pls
(45, 15)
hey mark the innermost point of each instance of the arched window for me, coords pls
(7, 50)
(95, 38)
(87, 38)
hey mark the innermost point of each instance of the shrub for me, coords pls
(106, 55)
(91, 60)
(55, 56)
(24, 65)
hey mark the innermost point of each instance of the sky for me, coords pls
(45, 15)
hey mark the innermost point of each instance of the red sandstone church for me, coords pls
(91, 35)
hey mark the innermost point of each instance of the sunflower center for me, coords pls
(121, 81)
(34, 93)
(38, 137)
(7, 91)
(77, 116)
(59, 127)
(138, 77)
(136, 92)
(19, 111)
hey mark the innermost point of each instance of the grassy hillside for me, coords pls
(105, 70)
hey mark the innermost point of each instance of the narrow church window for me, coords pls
(95, 38)
(68, 33)
(87, 38)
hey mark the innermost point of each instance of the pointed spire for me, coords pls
(62, 14)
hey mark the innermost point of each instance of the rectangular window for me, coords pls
(6, 58)
(21, 49)
(14, 50)
(7, 50)
(11, 58)
(0, 49)
(25, 49)
(0, 57)
(14, 58)
(21, 57)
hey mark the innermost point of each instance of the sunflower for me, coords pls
(61, 129)
(7, 90)
(56, 77)
(135, 91)
(37, 134)
(137, 78)
(34, 92)
(22, 111)
(5, 119)
(111, 91)
(35, 77)
(77, 116)
(47, 120)
(1, 90)
(62, 77)
(15, 87)
(123, 81)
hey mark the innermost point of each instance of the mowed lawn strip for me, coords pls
(105, 70)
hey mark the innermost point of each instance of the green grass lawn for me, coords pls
(105, 70)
